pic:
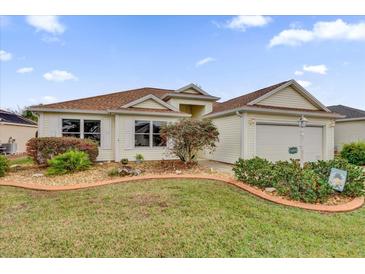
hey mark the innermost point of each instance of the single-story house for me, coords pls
(262, 123)
(14, 126)
(349, 128)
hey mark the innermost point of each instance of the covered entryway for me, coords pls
(274, 140)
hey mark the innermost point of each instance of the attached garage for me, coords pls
(275, 142)
(268, 125)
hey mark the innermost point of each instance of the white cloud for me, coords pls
(48, 99)
(47, 23)
(304, 83)
(291, 37)
(204, 61)
(242, 22)
(320, 69)
(5, 56)
(330, 30)
(25, 70)
(59, 76)
(298, 72)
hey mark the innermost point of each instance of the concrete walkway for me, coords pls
(217, 166)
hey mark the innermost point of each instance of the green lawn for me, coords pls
(170, 218)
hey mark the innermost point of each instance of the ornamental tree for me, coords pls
(188, 137)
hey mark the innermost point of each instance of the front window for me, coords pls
(85, 129)
(157, 141)
(142, 134)
(147, 134)
(71, 128)
(92, 130)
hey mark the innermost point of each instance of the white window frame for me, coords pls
(151, 134)
(82, 129)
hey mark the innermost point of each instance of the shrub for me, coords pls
(256, 171)
(139, 157)
(354, 153)
(113, 172)
(68, 162)
(308, 184)
(190, 136)
(45, 148)
(355, 182)
(124, 161)
(4, 165)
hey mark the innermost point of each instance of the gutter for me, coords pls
(276, 111)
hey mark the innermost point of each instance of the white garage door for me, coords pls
(273, 142)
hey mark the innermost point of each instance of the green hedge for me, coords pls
(45, 148)
(4, 165)
(354, 153)
(308, 184)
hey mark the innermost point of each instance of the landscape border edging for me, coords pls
(352, 205)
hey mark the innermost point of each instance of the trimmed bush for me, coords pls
(355, 182)
(354, 153)
(68, 162)
(45, 148)
(4, 165)
(256, 171)
(308, 184)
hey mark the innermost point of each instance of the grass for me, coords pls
(21, 161)
(169, 218)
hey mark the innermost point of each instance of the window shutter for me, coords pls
(129, 134)
(106, 137)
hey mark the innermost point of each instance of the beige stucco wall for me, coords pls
(347, 132)
(288, 97)
(20, 133)
(50, 125)
(125, 138)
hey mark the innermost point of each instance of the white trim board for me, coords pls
(150, 97)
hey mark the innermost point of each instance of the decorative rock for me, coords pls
(270, 189)
(129, 171)
(178, 172)
(38, 175)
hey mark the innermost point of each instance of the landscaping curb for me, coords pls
(349, 206)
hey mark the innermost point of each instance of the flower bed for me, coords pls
(308, 184)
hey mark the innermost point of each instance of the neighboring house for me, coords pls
(16, 127)
(262, 123)
(349, 128)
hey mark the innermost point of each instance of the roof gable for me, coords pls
(192, 89)
(289, 94)
(149, 101)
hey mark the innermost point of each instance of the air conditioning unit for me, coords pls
(10, 148)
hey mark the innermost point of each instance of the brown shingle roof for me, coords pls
(244, 99)
(107, 101)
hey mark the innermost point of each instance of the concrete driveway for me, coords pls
(217, 166)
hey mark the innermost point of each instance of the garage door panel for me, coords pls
(273, 142)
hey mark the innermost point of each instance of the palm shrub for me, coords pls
(354, 153)
(4, 165)
(68, 162)
(188, 137)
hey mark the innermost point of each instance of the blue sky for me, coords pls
(48, 59)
